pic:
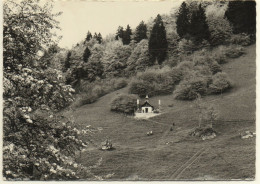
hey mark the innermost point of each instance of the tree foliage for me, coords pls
(127, 35)
(119, 33)
(139, 58)
(140, 32)
(115, 57)
(25, 38)
(219, 27)
(37, 144)
(67, 61)
(242, 15)
(124, 35)
(98, 37)
(198, 23)
(86, 55)
(89, 37)
(157, 42)
(182, 21)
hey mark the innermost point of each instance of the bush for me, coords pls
(220, 83)
(186, 46)
(234, 51)
(240, 39)
(215, 67)
(206, 64)
(141, 88)
(83, 99)
(120, 83)
(189, 88)
(92, 91)
(219, 55)
(185, 66)
(155, 82)
(124, 104)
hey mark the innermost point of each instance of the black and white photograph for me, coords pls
(129, 90)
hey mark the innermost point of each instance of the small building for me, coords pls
(146, 110)
(147, 107)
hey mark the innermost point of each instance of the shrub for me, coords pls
(215, 67)
(185, 66)
(220, 83)
(155, 82)
(120, 83)
(92, 91)
(240, 39)
(188, 89)
(83, 99)
(219, 55)
(186, 46)
(141, 88)
(206, 63)
(234, 51)
(124, 104)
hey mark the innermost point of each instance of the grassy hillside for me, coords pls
(174, 155)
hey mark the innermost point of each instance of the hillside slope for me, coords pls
(171, 155)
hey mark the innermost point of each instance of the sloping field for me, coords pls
(174, 155)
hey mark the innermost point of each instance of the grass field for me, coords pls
(174, 155)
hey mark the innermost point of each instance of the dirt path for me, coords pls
(187, 164)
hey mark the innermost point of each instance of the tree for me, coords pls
(89, 37)
(38, 144)
(140, 32)
(99, 38)
(219, 27)
(48, 55)
(182, 21)
(207, 114)
(86, 54)
(115, 58)
(200, 29)
(21, 34)
(242, 15)
(119, 33)
(139, 58)
(127, 35)
(157, 42)
(94, 67)
(67, 61)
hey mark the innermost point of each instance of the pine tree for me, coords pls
(86, 55)
(95, 35)
(242, 15)
(119, 33)
(158, 43)
(199, 27)
(99, 38)
(182, 22)
(89, 36)
(140, 32)
(127, 35)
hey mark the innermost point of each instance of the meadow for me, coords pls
(175, 155)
